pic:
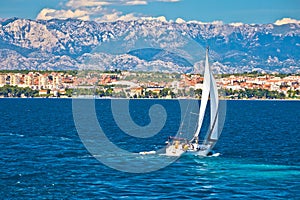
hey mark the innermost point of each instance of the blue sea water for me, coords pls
(42, 156)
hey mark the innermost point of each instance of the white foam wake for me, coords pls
(147, 152)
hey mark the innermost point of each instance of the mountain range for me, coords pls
(148, 45)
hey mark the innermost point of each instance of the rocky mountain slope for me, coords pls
(148, 45)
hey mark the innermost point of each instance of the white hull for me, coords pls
(194, 149)
(199, 150)
(202, 153)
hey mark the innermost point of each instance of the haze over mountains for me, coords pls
(148, 45)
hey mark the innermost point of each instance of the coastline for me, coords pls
(119, 98)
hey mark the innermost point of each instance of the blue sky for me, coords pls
(228, 11)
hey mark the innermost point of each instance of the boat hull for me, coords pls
(202, 153)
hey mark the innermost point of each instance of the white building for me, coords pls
(15, 79)
(2, 80)
(43, 82)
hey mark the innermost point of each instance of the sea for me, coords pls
(43, 155)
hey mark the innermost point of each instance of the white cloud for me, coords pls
(217, 22)
(169, 0)
(127, 17)
(47, 14)
(179, 21)
(136, 2)
(286, 21)
(86, 3)
(116, 16)
(213, 22)
(160, 18)
(108, 17)
(236, 24)
(90, 3)
(98, 10)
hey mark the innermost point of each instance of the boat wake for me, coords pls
(147, 152)
(215, 155)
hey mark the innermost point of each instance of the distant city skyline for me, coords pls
(218, 11)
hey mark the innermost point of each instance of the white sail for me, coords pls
(214, 102)
(204, 97)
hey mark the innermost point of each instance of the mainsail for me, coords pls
(204, 97)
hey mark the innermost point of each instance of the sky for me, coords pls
(218, 11)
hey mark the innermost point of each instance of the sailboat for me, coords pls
(178, 146)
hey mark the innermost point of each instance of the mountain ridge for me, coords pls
(67, 44)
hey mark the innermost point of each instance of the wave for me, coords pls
(11, 134)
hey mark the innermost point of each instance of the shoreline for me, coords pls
(117, 98)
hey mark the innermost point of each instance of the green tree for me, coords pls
(109, 92)
(198, 93)
(165, 92)
(69, 92)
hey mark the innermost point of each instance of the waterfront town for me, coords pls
(125, 84)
